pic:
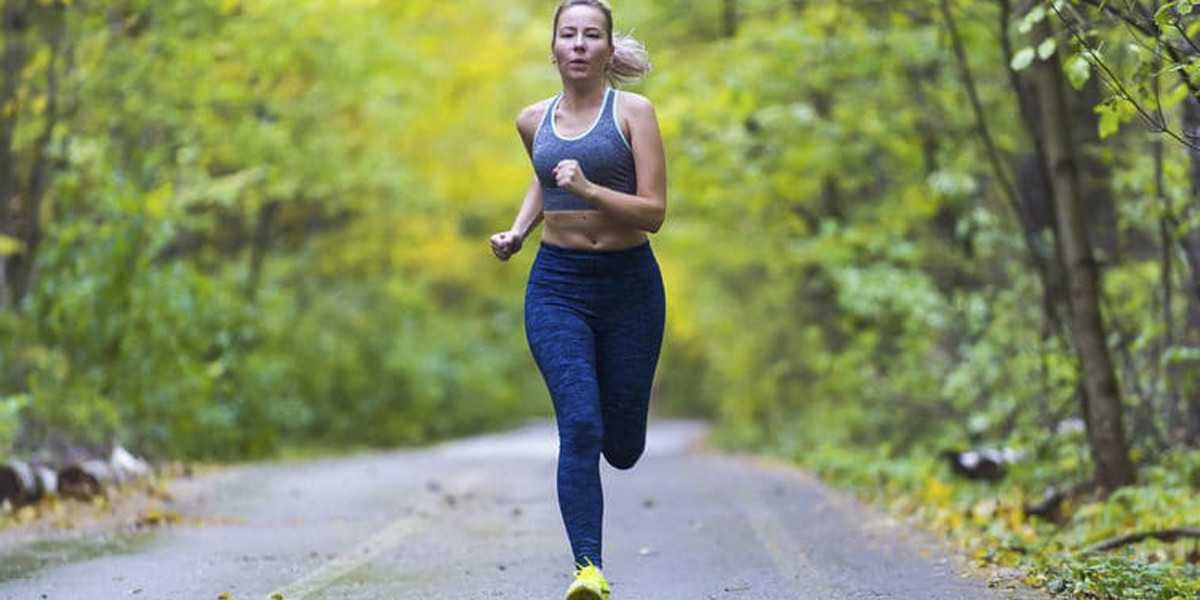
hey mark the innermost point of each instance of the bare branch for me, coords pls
(977, 106)
(1165, 535)
(1114, 84)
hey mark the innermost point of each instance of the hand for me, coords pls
(569, 176)
(506, 244)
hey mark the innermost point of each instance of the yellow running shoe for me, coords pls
(589, 583)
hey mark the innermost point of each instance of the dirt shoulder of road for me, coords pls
(139, 505)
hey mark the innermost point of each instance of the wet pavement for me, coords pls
(478, 519)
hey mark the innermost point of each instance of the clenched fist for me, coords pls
(569, 176)
(506, 244)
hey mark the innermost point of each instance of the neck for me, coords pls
(581, 94)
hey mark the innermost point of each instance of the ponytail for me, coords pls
(630, 61)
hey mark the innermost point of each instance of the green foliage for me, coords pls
(865, 293)
(267, 224)
(10, 410)
(163, 317)
(1112, 577)
(988, 522)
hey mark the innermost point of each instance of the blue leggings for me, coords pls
(594, 322)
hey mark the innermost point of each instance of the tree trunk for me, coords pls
(15, 17)
(1172, 374)
(26, 219)
(260, 245)
(1095, 184)
(1033, 186)
(1037, 202)
(1106, 431)
(831, 190)
(729, 18)
(1189, 244)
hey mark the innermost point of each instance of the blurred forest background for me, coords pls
(896, 229)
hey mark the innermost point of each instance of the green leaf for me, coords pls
(1078, 70)
(1163, 16)
(1110, 119)
(1032, 18)
(1046, 48)
(1022, 58)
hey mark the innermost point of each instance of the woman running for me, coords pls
(594, 303)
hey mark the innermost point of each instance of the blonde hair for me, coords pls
(630, 61)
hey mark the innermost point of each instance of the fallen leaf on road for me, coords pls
(151, 518)
(158, 489)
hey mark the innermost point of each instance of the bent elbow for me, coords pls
(653, 215)
(658, 220)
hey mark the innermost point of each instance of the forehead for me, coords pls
(582, 16)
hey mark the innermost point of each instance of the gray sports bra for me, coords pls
(602, 151)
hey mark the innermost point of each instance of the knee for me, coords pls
(625, 458)
(580, 436)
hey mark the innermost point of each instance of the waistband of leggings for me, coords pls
(607, 260)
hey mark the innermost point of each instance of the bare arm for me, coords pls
(507, 243)
(648, 208)
(531, 211)
(531, 207)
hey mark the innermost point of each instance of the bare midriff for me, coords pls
(589, 230)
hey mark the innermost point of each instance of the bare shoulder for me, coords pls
(530, 116)
(636, 105)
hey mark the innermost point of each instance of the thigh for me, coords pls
(563, 345)
(627, 351)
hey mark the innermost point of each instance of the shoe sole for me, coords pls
(583, 591)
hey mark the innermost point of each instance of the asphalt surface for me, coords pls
(478, 519)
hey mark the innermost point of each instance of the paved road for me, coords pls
(477, 519)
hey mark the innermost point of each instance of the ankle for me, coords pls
(587, 562)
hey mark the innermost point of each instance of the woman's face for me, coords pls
(581, 45)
